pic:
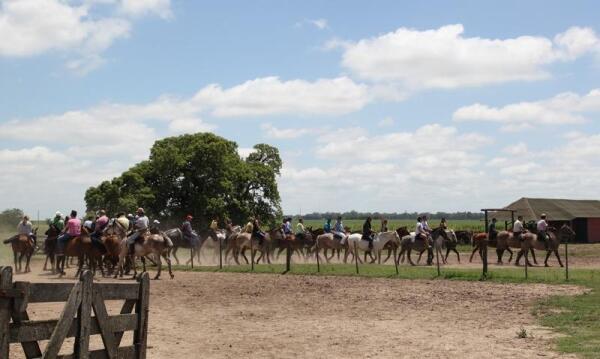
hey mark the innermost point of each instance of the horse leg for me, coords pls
(533, 255)
(527, 258)
(511, 254)
(46, 263)
(15, 255)
(558, 257)
(388, 255)
(175, 255)
(499, 253)
(548, 253)
(243, 253)
(473, 253)
(519, 255)
(168, 260)
(159, 263)
(457, 254)
(420, 255)
(28, 257)
(409, 257)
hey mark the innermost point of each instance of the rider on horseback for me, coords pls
(26, 228)
(256, 232)
(96, 235)
(72, 230)
(421, 232)
(367, 233)
(384, 225)
(58, 222)
(300, 229)
(518, 228)
(188, 233)
(492, 231)
(327, 226)
(287, 227)
(214, 227)
(139, 228)
(338, 229)
(542, 227)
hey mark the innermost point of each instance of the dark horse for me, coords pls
(50, 246)
(179, 241)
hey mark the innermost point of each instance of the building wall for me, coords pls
(580, 228)
(593, 230)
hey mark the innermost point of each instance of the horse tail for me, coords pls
(7, 241)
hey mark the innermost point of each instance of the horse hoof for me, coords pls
(172, 276)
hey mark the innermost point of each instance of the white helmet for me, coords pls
(58, 214)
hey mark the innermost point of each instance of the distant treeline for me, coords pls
(405, 215)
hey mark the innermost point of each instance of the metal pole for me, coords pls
(288, 257)
(356, 257)
(251, 255)
(484, 247)
(567, 257)
(220, 254)
(317, 254)
(192, 255)
(395, 261)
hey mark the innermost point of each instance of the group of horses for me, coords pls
(156, 245)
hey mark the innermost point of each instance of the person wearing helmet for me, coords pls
(139, 228)
(542, 227)
(131, 218)
(257, 232)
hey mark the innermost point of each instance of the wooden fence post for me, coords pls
(140, 336)
(356, 257)
(288, 257)
(220, 254)
(567, 258)
(192, 255)
(5, 309)
(395, 261)
(437, 260)
(84, 313)
(317, 254)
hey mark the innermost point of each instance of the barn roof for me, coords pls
(556, 209)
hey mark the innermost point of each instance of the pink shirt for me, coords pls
(74, 227)
(101, 222)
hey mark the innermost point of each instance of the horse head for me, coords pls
(566, 231)
(402, 231)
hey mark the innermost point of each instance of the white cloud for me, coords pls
(564, 108)
(320, 23)
(445, 58)
(285, 133)
(271, 96)
(78, 29)
(161, 8)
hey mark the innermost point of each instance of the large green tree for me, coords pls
(201, 174)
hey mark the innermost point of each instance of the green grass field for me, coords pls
(356, 224)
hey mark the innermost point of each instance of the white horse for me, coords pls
(380, 240)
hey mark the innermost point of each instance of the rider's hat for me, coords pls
(189, 217)
(140, 210)
(543, 215)
(58, 214)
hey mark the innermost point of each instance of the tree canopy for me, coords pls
(200, 174)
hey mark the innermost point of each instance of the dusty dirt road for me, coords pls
(226, 315)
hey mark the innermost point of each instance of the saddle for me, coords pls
(23, 238)
(84, 239)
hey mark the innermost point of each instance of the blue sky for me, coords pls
(386, 106)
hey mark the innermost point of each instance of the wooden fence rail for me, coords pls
(82, 299)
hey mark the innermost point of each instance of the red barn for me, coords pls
(583, 215)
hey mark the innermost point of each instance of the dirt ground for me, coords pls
(227, 315)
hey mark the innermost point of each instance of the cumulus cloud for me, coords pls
(33, 27)
(285, 133)
(320, 23)
(272, 96)
(161, 8)
(446, 58)
(562, 109)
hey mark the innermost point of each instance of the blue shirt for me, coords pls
(327, 227)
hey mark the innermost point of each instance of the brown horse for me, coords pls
(50, 246)
(22, 247)
(152, 244)
(393, 245)
(327, 241)
(407, 245)
(82, 248)
(530, 242)
(504, 241)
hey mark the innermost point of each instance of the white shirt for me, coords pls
(542, 225)
(419, 228)
(300, 228)
(518, 226)
(141, 222)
